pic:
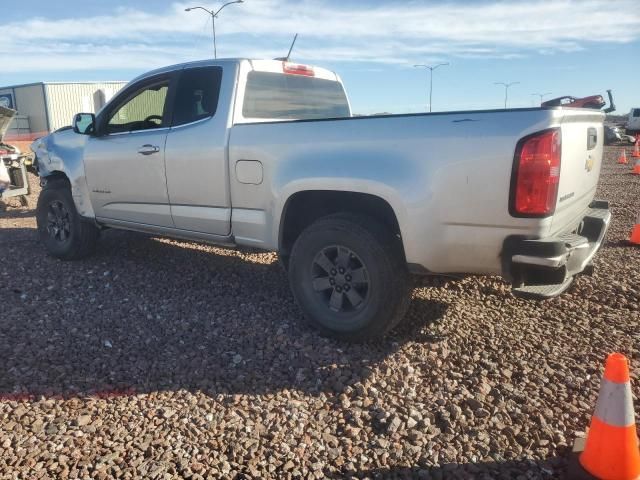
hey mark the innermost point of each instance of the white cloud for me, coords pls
(393, 33)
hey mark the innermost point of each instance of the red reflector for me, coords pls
(538, 175)
(295, 69)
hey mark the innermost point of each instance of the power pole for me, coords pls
(431, 69)
(506, 90)
(213, 14)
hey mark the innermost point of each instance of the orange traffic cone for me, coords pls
(611, 451)
(622, 159)
(636, 149)
(635, 233)
(636, 168)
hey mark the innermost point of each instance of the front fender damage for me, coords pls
(62, 152)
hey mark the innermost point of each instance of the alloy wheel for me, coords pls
(58, 222)
(340, 278)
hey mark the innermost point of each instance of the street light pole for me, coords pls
(214, 14)
(213, 27)
(506, 90)
(541, 95)
(431, 69)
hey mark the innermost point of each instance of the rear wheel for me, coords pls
(63, 232)
(349, 277)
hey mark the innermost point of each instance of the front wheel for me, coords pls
(348, 275)
(62, 231)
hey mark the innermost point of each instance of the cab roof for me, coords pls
(256, 64)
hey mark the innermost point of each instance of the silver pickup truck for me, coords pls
(267, 154)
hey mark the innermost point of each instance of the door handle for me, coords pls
(148, 149)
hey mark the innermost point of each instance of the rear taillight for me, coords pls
(536, 175)
(295, 69)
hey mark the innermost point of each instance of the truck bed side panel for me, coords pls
(446, 177)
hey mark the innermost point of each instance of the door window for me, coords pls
(197, 95)
(143, 111)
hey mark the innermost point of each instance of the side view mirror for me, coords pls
(84, 123)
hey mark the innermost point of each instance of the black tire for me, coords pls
(366, 307)
(284, 261)
(61, 229)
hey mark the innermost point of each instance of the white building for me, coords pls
(46, 106)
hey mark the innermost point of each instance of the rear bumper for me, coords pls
(546, 267)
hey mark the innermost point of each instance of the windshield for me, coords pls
(293, 97)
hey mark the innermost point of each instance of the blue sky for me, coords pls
(565, 47)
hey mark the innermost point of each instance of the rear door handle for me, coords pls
(148, 149)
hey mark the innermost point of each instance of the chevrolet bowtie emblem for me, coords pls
(588, 166)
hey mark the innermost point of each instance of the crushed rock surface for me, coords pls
(165, 359)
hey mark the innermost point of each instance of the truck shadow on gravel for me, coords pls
(12, 213)
(550, 468)
(145, 315)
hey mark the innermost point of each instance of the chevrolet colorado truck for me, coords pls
(267, 154)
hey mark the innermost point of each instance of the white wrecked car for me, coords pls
(4, 178)
(6, 151)
(13, 173)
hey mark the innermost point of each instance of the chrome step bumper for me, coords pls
(545, 268)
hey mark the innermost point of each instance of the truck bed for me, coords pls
(446, 175)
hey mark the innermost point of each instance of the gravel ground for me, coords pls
(163, 359)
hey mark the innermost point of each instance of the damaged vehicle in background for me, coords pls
(614, 134)
(4, 178)
(13, 161)
(594, 102)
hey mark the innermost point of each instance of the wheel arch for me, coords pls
(304, 207)
(60, 155)
(55, 175)
(78, 187)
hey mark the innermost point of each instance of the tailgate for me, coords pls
(582, 151)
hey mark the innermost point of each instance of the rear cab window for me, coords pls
(636, 112)
(279, 96)
(197, 95)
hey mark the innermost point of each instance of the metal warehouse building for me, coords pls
(46, 106)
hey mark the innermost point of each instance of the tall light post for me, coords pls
(506, 90)
(541, 95)
(214, 14)
(431, 69)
